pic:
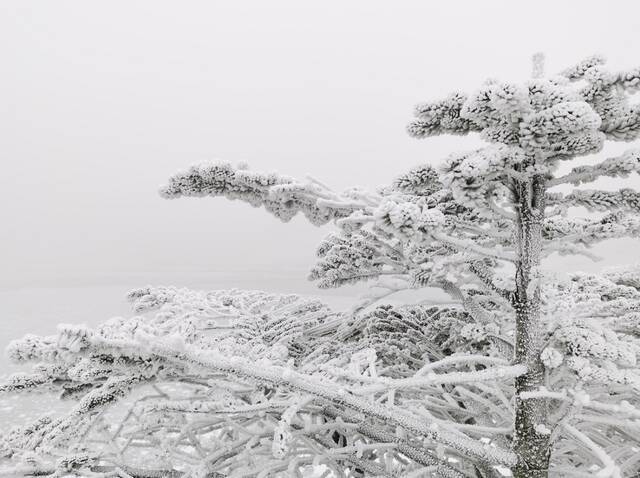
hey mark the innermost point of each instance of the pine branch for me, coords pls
(620, 166)
(468, 245)
(486, 278)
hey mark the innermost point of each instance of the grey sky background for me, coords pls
(102, 101)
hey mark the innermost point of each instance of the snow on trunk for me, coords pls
(531, 446)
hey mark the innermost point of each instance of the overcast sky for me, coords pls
(102, 101)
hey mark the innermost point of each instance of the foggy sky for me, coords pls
(102, 101)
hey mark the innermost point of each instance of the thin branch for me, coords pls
(485, 277)
(610, 468)
(494, 373)
(468, 245)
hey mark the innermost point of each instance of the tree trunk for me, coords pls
(533, 448)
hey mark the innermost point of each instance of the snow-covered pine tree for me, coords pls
(505, 217)
(231, 383)
(532, 128)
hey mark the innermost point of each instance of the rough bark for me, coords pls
(532, 448)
